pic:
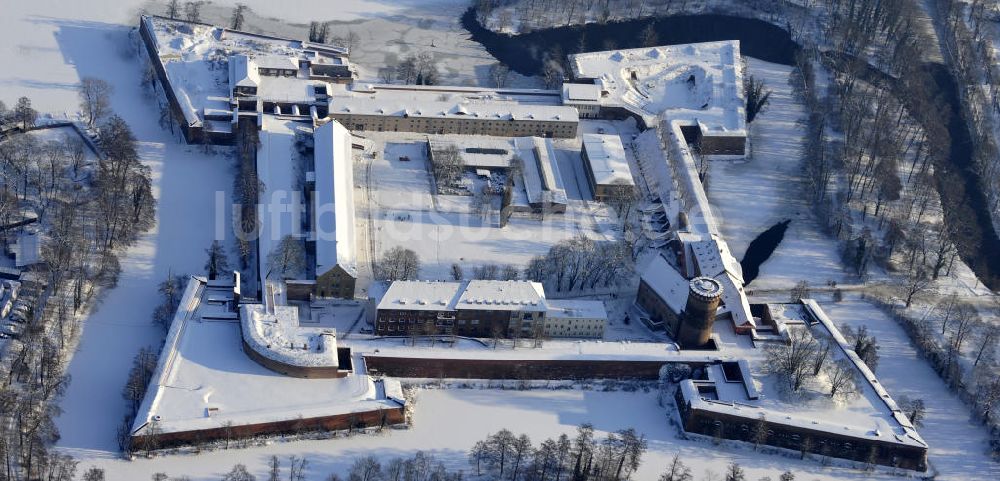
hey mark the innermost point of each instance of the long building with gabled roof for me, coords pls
(333, 212)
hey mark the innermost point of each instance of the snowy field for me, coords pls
(770, 182)
(957, 443)
(442, 229)
(448, 422)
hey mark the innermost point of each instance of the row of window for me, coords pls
(440, 126)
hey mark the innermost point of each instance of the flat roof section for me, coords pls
(204, 380)
(606, 157)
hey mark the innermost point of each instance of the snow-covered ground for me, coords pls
(957, 443)
(749, 197)
(448, 422)
(47, 46)
(442, 230)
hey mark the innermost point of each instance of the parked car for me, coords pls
(404, 158)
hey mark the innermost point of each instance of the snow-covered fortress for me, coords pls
(302, 101)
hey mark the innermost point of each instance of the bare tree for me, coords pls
(239, 473)
(95, 99)
(677, 471)
(387, 74)
(427, 71)
(864, 344)
(792, 361)
(988, 333)
(757, 96)
(238, 17)
(217, 262)
(799, 292)
(456, 272)
(478, 455)
(192, 11)
(448, 166)
(735, 473)
(173, 9)
(397, 264)
(914, 284)
(622, 197)
(499, 72)
(486, 272)
(287, 258)
(406, 70)
(366, 468)
(273, 469)
(24, 113)
(93, 474)
(509, 272)
(842, 378)
(171, 290)
(350, 40)
(914, 410)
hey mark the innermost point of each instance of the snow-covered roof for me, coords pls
(574, 92)
(189, 50)
(872, 415)
(701, 220)
(473, 294)
(667, 282)
(575, 309)
(421, 296)
(204, 380)
(287, 89)
(28, 249)
(542, 179)
(502, 296)
(714, 258)
(277, 62)
(606, 156)
(700, 83)
(453, 107)
(242, 72)
(734, 298)
(477, 151)
(334, 199)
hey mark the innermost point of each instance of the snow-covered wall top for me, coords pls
(699, 83)
(169, 353)
(273, 332)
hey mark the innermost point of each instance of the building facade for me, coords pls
(577, 319)
(475, 308)
(457, 124)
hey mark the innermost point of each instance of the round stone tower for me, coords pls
(704, 294)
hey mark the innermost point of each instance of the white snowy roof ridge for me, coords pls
(334, 168)
(667, 282)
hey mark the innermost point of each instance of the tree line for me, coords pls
(90, 210)
(506, 455)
